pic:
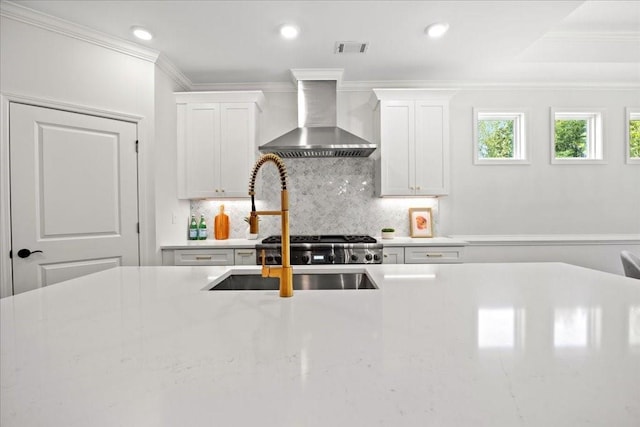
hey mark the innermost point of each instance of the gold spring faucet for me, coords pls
(284, 272)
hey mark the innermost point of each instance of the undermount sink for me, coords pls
(303, 281)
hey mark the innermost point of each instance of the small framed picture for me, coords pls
(420, 222)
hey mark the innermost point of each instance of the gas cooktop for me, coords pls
(322, 249)
(330, 238)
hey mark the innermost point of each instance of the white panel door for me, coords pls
(74, 195)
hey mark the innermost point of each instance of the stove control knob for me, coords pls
(278, 259)
(269, 259)
(354, 257)
(305, 259)
(329, 258)
(376, 257)
(368, 257)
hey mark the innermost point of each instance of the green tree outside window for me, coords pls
(495, 139)
(634, 138)
(571, 138)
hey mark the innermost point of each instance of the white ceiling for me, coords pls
(229, 42)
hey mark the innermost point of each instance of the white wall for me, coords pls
(45, 64)
(171, 213)
(542, 198)
(539, 198)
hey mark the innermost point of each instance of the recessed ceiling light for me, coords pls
(141, 33)
(289, 31)
(437, 30)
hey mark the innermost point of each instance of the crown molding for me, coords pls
(174, 72)
(366, 86)
(470, 85)
(263, 86)
(19, 13)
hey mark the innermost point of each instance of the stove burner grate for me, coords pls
(355, 238)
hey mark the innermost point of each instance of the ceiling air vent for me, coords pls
(351, 47)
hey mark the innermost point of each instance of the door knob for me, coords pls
(24, 253)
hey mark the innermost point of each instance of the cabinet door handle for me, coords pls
(245, 253)
(385, 255)
(435, 255)
(201, 257)
(418, 188)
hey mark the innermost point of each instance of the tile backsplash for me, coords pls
(326, 196)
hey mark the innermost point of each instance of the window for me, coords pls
(576, 136)
(499, 137)
(633, 135)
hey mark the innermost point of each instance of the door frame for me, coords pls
(146, 237)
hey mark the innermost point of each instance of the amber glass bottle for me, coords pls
(221, 225)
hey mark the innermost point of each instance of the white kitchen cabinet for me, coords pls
(217, 142)
(411, 129)
(209, 256)
(393, 255)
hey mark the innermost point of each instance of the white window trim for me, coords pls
(521, 146)
(631, 112)
(595, 116)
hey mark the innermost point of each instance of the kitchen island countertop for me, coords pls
(535, 344)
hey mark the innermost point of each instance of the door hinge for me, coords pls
(137, 143)
(138, 227)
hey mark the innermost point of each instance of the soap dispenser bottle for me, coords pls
(221, 225)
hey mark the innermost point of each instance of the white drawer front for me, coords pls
(245, 257)
(432, 255)
(204, 257)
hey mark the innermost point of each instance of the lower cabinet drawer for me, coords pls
(245, 257)
(432, 255)
(204, 257)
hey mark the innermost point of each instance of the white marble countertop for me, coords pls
(537, 344)
(246, 243)
(212, 244)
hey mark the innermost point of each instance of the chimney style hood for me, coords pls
(317, 134)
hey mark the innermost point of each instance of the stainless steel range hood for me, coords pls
(317, 134)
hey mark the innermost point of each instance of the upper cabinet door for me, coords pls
(217, 142)
(238, 148)
(397, 131)
(202, 149)
(432, 149)
(413, 139)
